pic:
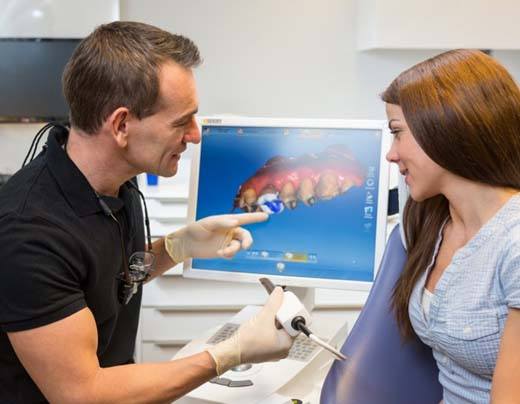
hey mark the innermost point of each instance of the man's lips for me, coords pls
(178, 155)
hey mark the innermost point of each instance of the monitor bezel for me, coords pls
(383, 190)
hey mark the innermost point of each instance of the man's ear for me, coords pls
(118, 125)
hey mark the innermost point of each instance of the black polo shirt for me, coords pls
(60, 253)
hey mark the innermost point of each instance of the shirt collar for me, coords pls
(76, 189)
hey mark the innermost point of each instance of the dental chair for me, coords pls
(381, 368)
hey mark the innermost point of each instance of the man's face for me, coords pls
(156, 142)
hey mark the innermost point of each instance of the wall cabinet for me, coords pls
(439, 24)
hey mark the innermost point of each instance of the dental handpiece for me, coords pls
(293, 317)
(267, 284)
(300, 325)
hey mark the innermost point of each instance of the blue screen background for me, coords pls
(339, 234)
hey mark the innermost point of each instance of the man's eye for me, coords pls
(179, 124)
(183, 123)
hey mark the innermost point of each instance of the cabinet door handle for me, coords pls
(171, 343)
(231, 308)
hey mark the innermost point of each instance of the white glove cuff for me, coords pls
(175, 248)
(226, 354)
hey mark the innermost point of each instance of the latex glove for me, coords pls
(257, 340)
(213, 236)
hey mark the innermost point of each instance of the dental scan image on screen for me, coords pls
(320, 187)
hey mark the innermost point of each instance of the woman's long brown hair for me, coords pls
(463, 109)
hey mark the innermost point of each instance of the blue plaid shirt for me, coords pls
(470, 306)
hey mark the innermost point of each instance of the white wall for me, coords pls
(291, 58)
(15, 140)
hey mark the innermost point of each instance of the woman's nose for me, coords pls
(392, 156)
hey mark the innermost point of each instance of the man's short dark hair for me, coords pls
(117, 66)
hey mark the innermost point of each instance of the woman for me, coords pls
(455, 119)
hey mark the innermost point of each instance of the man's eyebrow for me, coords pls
(186, 115)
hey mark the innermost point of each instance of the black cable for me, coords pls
(108, 212)
(298, 323)
(30, 148)
(36, 146)
(126, 270)
(36, 138)
(36, 141)
(146, 219)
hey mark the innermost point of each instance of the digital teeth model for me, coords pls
(283, 182)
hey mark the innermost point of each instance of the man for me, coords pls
(70, 219)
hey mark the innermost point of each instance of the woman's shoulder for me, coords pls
(508, 233)
(508, 218)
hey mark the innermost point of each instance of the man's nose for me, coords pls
(193, 135)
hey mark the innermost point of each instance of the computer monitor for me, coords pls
(30, 78)
(324, 183)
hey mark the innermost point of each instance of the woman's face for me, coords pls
(423, 176)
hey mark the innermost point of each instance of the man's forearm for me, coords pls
(149, 382)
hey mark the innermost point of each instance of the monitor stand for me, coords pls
(272, 382)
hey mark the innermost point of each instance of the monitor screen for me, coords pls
(30, 78)
(323, 183)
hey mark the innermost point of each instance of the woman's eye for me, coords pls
(395, 133)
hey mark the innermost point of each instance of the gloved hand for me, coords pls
(213, 236)
(257, 340)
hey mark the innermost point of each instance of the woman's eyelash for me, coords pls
(395, 132)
